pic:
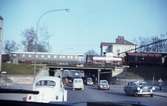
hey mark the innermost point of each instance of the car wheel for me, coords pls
(136, 95)
(151, 95)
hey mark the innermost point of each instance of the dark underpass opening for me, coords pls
(97, 74)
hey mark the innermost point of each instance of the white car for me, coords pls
(103, 84)
(51, 89)
(89, 81)
(78, 83)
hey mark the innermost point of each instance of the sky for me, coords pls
(87, 24)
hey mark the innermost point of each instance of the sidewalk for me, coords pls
(161, 94)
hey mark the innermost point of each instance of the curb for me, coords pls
(160, 95)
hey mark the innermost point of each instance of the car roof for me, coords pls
(103, 80)
(53, 78)
(77, 78)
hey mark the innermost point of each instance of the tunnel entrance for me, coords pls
(101, 74)
(96, 74)
(93, 73)
(106, 75)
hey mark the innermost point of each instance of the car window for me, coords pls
(45, 83)
(103, 81)
(78, 80)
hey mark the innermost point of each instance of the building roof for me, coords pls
(126, 43)
(109, 44)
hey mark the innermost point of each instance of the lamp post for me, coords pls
(1, 34)
(36, 36)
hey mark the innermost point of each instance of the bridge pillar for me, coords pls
(98, 75)
(61, 71)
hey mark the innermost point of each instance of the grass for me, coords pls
(19, 69)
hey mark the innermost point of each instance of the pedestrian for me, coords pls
(160, 81)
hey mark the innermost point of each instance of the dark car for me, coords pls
(137, 88)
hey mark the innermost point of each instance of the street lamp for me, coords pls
(1, 34)
(37, 26)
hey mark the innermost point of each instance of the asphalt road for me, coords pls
(90, 94)
(114, 95)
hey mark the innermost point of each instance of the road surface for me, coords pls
(115, 94)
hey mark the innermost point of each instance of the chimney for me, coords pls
(120, 40)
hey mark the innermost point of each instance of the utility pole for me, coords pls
(1, 34)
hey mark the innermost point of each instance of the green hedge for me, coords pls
(24, 69)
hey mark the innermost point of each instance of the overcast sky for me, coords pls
(88, 23)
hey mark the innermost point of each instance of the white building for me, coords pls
(121, 45)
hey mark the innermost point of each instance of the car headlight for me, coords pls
(138, 88)
(153, 88)
(101, 86)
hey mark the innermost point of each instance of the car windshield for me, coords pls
(77, 51)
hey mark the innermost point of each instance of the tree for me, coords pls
(31, 43)
(155, 47)
(10, 46)
(91, 52)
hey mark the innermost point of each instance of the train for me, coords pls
(143, 58)
(52, 58)
(130, 59)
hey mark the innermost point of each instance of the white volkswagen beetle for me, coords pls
(51, 89)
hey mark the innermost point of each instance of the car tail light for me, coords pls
(29, 98)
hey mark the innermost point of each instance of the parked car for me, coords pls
(137, 88)
(103, 84)
(78, 83)
(89, 81)
(51, 89)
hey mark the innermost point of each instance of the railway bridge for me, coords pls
(96, 72)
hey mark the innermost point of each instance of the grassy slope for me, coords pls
(24, 69)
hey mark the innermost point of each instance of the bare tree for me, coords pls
(91, 52)
(29, 43)
(158, 45)
(10, 46)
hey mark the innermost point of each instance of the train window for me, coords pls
(55, 57)
(63, 57)
(48, 56)
(36, 56)
(23, 55)
(76, 57)
(29, 55)
(42, 56)
(71, 57)
(60, 57)
(14, 55)
(68, 57)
